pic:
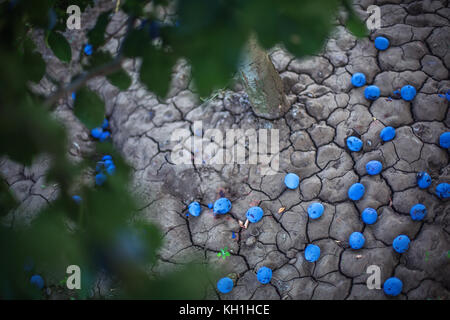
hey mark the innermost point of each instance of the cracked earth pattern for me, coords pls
(325, 110)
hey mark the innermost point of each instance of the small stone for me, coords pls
(393, 286)
(291, 180)
(381, 43)
(423, 180)
(373, 167)
(356, 191)
(250, 241)
(195, 209)
(356, 240)
(401, 243)
(225, 285)
(408, 92)
(254, 214)
(315, 210)
(372, 93)
(387, 134)
(418, 212)
(354, 143)
(264, 275)
(369, 215)
(312, 252)
(358, 79)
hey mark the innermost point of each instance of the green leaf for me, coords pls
(33, 62)
(156, 70)
(7, 200)
(207, 37)
(120, 79)
(356, 26)
(135, 42)
(89, 108)
(96, 36)
(134, 7)
(60, 47)
(34, 131)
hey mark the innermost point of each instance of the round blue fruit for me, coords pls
(105, 123)
(100, 179)
(154, 29)
(264, 275)
(195, 209)
(369, 215)
(28, 265)
(106, 157)
(37, 281)
(96, 132)
(381, 43)
(408, 92)
(222, 206)
(225, 285)
(423, 180)
(74, 95)
(444, 140)
(443, 190)
(108, 162)
(356, 240)
(374, 167)
(312, 253)
(291, 180)
(254, 214)
(99, 166)
(111, 170)
(387, 134)
(354, 143)
(401, 243)
(88, 49)
(358, 79)
(356, 191)
(210, 205)
(418, 212)
(447, 95)
(77, 199)
(393, 286)
(315, 210)
(372, 93)
(104, 136)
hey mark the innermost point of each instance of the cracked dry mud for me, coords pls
(325, 110)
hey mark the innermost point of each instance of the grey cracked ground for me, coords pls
(325, 110)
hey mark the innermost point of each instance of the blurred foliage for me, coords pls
(101, 231)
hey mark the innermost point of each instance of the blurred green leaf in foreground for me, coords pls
(101, 232)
